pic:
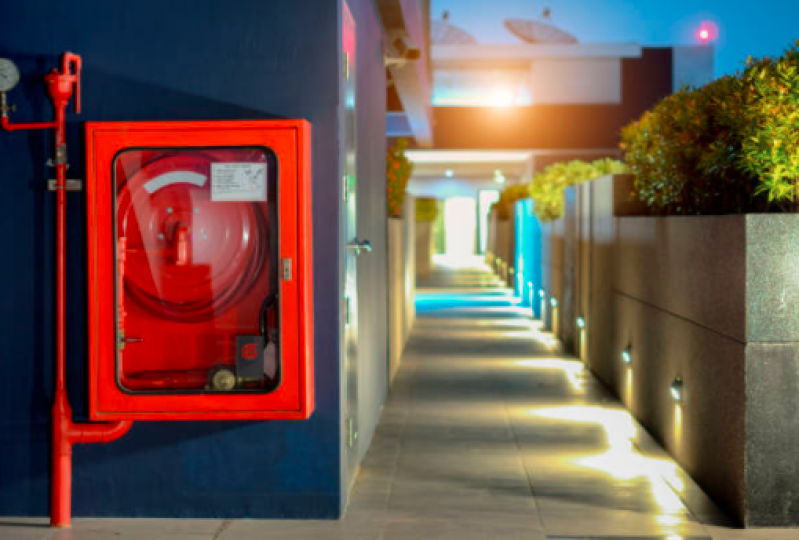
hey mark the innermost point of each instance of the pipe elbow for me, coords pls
(102, 432)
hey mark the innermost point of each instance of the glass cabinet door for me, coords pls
(196, 254)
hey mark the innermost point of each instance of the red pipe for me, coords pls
(65, 432)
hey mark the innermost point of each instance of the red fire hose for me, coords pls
(65, 432)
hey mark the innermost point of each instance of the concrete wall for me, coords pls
(423, 233)
(372, 225)
(402, 285)
(576, 80)
(713, 300)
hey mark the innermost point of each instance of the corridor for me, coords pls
(489, 433)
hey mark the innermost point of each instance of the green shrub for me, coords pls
(426, 210)
(770, 136)
(398, 171)
(731, 146)
(511, 194)
(547, 187)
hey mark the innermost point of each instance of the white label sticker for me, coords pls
(238, 182)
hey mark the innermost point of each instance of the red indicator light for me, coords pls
(708, 31)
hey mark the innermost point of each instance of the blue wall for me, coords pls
(153, 60)
(370, 98)
(528, 254)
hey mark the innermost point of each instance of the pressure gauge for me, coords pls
(9, 75)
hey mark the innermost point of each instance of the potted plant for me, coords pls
(398, 171)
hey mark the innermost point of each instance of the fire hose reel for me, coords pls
(191, 228)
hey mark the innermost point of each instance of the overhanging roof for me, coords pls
(411, 82)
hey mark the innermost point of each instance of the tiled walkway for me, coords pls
(489, 434)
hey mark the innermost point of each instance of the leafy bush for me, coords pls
(731, 146)
(547, 187)
(398, 172)
(771, 136)
(511, 194)
(426, 210)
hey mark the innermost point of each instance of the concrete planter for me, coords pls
(401, 285)
(502, 240)
(713, 300)
(424, 247)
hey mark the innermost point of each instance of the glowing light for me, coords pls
(499, 178)
(630, 388)
(580, 323)
(708, 31)
(460, 226)
(554, 302)
(627, 356)
(541, 293)
(624, 461)
(450, 173)
(502, 98)
(677, 391)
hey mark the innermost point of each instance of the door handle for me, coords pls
(359, 247)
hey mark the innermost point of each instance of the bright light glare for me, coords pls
(459, 262)
(622, 460)
(460, 226)
(573, 371)
(501, 97)
(450, 173)
(708, 31)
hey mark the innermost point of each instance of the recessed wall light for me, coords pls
(627, 355)
(677, 390)
(580, 323)
(553, 301)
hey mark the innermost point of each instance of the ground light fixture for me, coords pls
(580, 323)
(627, 355)
(542, 293)
(677, 390)
(553, 302)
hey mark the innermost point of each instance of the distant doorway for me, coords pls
(460, 225)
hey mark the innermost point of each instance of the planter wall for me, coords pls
(424, 247)
(713, 300)
(554, 281)
(527, 255)
(402, 285)
(502, 241)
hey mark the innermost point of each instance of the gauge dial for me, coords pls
(9, 75)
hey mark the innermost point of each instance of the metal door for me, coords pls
(350, 243)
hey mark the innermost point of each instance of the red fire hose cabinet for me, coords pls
(200, 270)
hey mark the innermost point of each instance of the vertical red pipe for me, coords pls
(61, 489)
(65, 433)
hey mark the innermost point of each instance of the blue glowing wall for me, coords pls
(527, 253)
